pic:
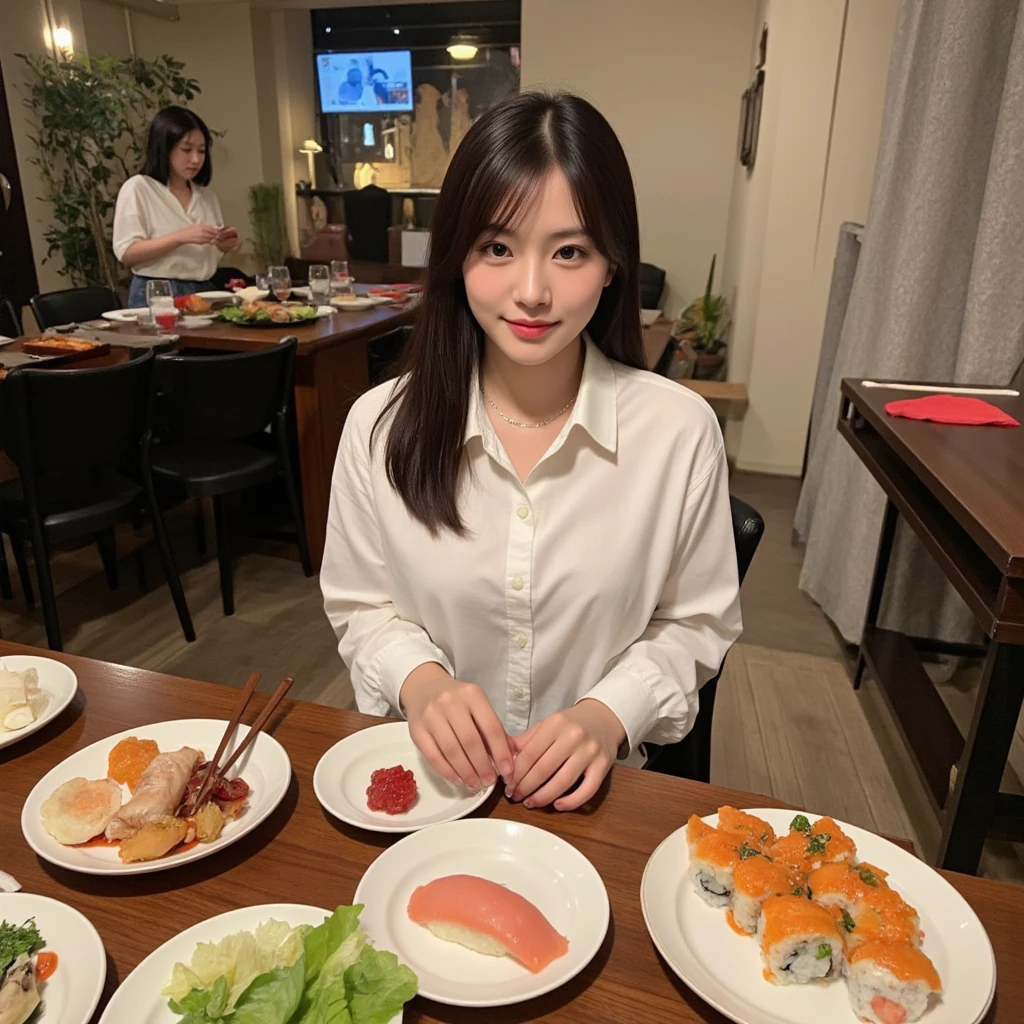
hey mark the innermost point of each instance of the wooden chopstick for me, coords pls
(268, 709)
(211, 769)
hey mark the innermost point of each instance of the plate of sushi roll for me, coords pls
(124, 805)
(485, 912)
(778, 917)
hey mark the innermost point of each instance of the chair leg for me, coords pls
(292, 487)
(5, 574)
(18, 547)
(41, 554)
(170, 569)
(227, 592)
(200, 527)
(106, 541)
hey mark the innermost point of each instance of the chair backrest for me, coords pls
(652, 284)
(73, 305)
(384, 354)
(691, 757)
(222, 275)
(224, 397)
(368, 216)
(10, 322)
(59, 421)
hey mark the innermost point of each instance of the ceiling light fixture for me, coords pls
(463, 47)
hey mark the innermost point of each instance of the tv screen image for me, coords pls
(365, 82)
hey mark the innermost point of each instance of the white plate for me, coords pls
(54, 677)
(216, 295)
(251, 294)
(123, 316)
(72, 992)
(354, 304)
(649, 316)
(343, 773)
(265, 766)
(724, 968)
(548, 871)
(195, 321)
(138, 998)
(322, 311)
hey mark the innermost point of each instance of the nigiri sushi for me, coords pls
(800, 941)
(488, 918)
(890, 983)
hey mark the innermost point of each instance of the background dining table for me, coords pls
(301, 854)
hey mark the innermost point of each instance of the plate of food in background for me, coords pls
(33, 691)
(52, 962)
(280, 962)
(352, 303)
(122, 805)
(377, 779)
(268, 314)
(775, 917)
(124, 316)
(485, 912)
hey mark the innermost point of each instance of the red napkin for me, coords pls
(951, 409)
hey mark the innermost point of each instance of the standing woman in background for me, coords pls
(167, 222)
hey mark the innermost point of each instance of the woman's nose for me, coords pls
(532, 287)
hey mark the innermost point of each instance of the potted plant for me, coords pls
(699, 332)
(269, 229)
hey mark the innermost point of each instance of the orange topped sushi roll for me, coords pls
(890, 983)
(712, 862)
(756, 832)
(696, 830)
(800, 941)
(755, 878)
(808, 846)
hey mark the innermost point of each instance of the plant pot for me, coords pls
(698, 365)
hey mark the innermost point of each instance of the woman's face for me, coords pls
(189, 155)
(534, 287)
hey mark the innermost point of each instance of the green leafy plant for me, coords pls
(269, 229)
(91, 115)
(704, 322)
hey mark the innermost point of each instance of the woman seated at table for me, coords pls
(167, 221)
(529, 548)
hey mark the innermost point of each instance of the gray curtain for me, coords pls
(938, 292)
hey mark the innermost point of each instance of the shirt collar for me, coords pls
(596, 408)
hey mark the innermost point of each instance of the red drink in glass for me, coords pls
(166, 320)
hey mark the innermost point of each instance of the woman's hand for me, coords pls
(455, 727)
(229, 240)
(554, 753)
(198, 234)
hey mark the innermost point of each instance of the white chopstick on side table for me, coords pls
(1008, 392)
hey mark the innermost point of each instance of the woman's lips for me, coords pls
(531, 329)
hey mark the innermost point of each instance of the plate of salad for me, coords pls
(52, 962)
(281, 963)
(268, 314)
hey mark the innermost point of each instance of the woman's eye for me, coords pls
(570, 252)
(498, 249)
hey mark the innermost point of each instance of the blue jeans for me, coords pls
(137, 290)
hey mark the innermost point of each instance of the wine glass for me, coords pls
(341, 280)
(280, 283)
(319, 284)
(160, 299)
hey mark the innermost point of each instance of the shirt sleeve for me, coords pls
(379, 647)
(129, 223)
(652, 686)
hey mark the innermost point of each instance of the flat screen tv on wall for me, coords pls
(364, 83)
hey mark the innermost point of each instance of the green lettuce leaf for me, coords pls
(378, 986)
(273, 997)
(324, 940)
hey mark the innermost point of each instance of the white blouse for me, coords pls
(146, 210)
(610, 573)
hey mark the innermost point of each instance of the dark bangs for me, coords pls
(166, 130)
(492, 179)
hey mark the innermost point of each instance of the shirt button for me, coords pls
(522, 511)
(519, 692)
(517, 583)
(521, 640)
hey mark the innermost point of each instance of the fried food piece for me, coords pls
(196, 305)
(129, 759)
(209, 822)
(80, 809)
(153, 840)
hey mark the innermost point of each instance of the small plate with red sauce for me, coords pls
(70, 968)
(364, 780)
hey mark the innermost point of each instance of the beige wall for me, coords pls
(819, 141)
(106, 29)
(668, 75)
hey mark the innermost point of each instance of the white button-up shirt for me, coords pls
(610, 573)
(145, 210)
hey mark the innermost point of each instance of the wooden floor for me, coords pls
(787, 721)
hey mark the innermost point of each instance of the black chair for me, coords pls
(383, 354)
(222, 275)
(652, 284)
(10, 322)
(691, 757)
(72, 306)
(75, 436)
(212, 415)
(368, 217)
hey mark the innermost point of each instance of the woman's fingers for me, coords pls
(494, 735)
(430, 750)
(558, 783)
(592, 779)
(548, 752)
(465, 728)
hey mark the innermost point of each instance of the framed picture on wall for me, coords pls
(750, 116)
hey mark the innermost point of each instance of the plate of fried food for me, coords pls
(33, 691)
(776, 917)
(268, 314)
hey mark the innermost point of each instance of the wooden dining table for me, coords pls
(301, 854)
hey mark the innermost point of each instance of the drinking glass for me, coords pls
(319, 284)
(280, 283)
(341, 279)
(160, 300)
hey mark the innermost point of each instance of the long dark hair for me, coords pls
(166, 130)
(501, 161)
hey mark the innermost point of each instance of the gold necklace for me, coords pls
(530, 426)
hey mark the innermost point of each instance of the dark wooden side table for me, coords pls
(961, 490)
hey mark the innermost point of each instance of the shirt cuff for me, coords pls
(632, 702)
(392, 664)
